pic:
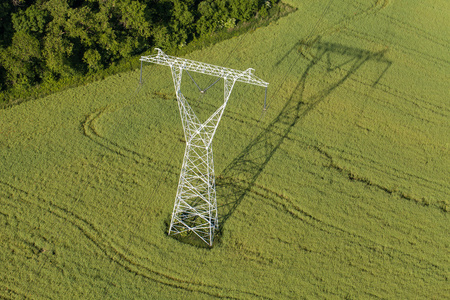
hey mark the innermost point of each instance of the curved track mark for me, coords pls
(295, 211)
(117, 255)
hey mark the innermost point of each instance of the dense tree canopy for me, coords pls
(50, 39)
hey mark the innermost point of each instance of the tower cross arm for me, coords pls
(172, 61)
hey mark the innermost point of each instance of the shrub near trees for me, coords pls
(47, 40)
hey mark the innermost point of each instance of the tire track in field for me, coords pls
(305, 49)
(372, 164)
(353, 176)
(438, 110)
(370, 83)
(89, 130)
(7, 292)
(252, 161)
(22, 245)
(292, 209)
(413, 100)
(117, 255)
(374, 9)
(409, 98)
(416, 103)
(254, 158)
(302, 46)
(325, 47)
(387, 170)
(380, 167)
(379, 253)
(342, 25)
(435, 39)
(393, 172)
(401, 48)
(417, 31)
(377, 6)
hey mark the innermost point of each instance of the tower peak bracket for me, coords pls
(195, 208)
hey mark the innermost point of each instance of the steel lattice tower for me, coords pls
(195, 206)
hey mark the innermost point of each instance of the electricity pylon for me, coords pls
(195, 206)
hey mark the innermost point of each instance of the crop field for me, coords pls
(339, 190)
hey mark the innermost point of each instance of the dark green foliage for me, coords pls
(47, 40)
(21, 59)
(212, 15)
(6, 30)
(243, 9)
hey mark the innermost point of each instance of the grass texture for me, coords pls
(340, 190)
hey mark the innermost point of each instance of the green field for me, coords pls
(340, 190)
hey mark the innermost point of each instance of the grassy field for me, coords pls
(340, 190)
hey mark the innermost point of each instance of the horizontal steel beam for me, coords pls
(231, 74)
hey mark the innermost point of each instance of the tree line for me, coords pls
(46, 40)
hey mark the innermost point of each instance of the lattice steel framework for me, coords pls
(195, 206)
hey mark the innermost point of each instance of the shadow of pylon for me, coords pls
(238, 178)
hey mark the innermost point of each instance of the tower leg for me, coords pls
(195, 208)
